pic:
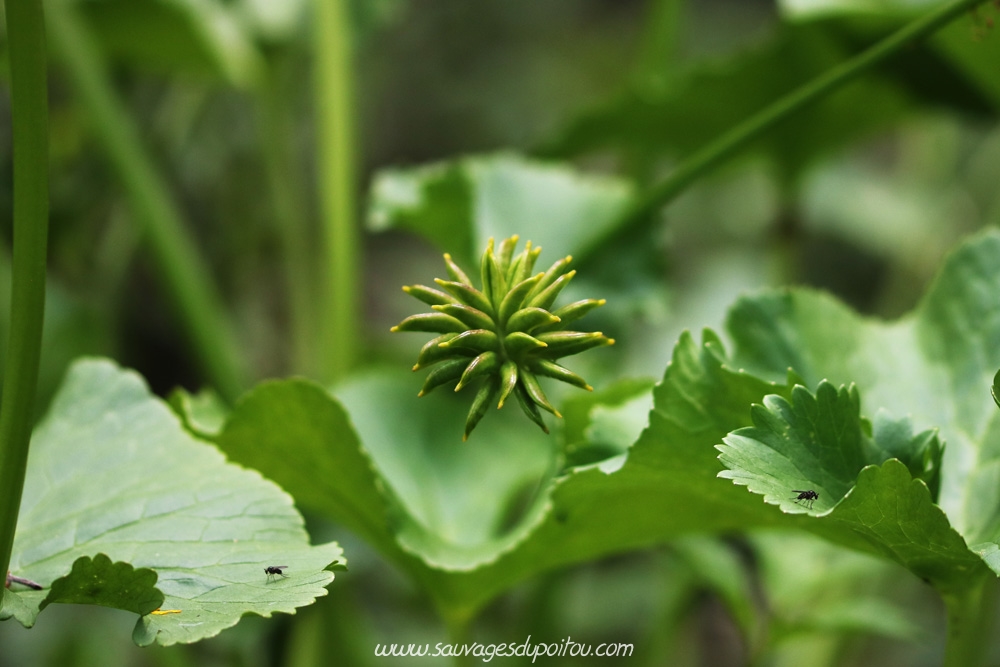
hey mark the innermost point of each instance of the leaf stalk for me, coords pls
(336, 174)
(971, 619)
(30, 123)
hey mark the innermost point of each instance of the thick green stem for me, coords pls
(971, 619)
(30, 124)
(459, 633)
(184, 273)
(277, 140)
(335, 126)
(729, 143)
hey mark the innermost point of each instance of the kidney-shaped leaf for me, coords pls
(112, 475)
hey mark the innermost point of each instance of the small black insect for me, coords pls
(275, 570)
(808, 496)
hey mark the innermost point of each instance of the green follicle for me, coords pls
(528, 319)
(430, 322)
(432, 352)
(429, 295)
(519, 344)
(503, 335)
(514, 299)
(455, 272)
(485, 363)
(508, 380)
(544, 298)
(468, 315)
(484, 397)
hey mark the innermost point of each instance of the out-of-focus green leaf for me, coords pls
(811, 9)
(201, 37)
(467, 502)
(973, 47)
(705, 99)
(204, 413)
(274, 20)
(969, 45)
(111, 471)
(459, 205)
(603, 425)
(710, 98)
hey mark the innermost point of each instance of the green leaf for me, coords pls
(700, 102)
(176, 36)
(98, 581)
(203, 414)
(113, 472)
(954, 67)
(933, 364)
(609, 424)
(822, 444)
(814, 444)
(459, 205)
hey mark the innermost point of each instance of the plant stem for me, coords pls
(277, 139)
(185, 276)
(335, 127)
(731, 142)
(459, 624)
(971, 619)
(30, 124)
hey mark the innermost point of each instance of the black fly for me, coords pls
(275, 570)
(809, 497)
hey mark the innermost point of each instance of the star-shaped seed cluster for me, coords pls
(503, 335)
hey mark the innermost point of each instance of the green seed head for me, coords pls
(502, 336)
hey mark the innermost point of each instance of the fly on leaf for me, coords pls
(275, 570)
(809, 496)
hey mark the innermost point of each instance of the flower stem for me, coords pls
(731, 142)
(30, 122)
(335, 126)
(186, 278)
(277, 140)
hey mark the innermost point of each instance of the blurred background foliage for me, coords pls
(860, 194)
